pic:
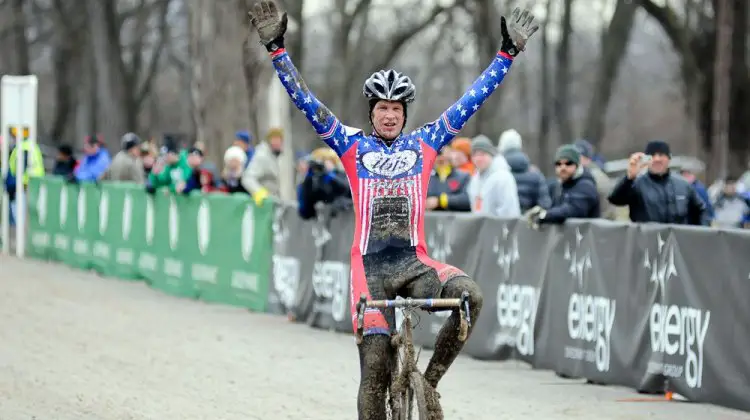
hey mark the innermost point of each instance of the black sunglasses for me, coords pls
(560, 163)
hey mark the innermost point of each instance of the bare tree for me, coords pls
(613, 49)
(545, 94)
(562, 71)
(722, 84)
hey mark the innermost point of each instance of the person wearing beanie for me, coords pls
(127, 165)
(604, 184)
(657, 195)
(95, 163)
(532, 187)
(202, 178)
(261, 178)
(492, 189)
(461, 155)
(234, 164)
(447, 190)
(171, 168)
(575, 194)
(244, 140)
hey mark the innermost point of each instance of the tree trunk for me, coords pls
(20, 42)
(111, 76)
(613, 49)
(739, 123)
(562, 81)
(545, 114)
(720, 106)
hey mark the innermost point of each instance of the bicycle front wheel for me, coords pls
(415, 402)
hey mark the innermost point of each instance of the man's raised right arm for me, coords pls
(271, 23)
(328, 127)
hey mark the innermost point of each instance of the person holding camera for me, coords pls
(658, 195)
(325, 182)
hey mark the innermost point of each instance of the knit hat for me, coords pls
(585, 148)
(235, 152)
(568, 152)
(244, 136)
(274, 132)
(658, 147)
(195, 151)
(463, 145)
(129, 141)
(510, 140)
(484, 144)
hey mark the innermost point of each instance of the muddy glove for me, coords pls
(522, 27)
(270, 24)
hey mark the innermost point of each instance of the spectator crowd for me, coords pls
(471, 175)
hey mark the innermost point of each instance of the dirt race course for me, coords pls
(75, 346)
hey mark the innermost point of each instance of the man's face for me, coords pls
(388, 119)
(241, 144)
(276, 143)
(444, 158)
(62, 157)
(584, 160)
(565, 169)
(90, 149)
(730, 187)
(172, 158)
(458, 158)
(194, 160)
(659, 164)
(482, 160)
(689, 176)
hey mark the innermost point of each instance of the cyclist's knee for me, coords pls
(454, 287)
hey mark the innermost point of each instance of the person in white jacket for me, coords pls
(492, 189)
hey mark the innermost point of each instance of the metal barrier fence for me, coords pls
(651, 307)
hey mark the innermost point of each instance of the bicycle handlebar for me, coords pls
(461, 303)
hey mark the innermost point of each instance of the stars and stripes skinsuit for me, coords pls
(389, 186)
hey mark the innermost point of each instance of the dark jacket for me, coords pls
(574, 198)
(664, 198)
(328, 187)
(532, 187)
(65, 168)
(451, 191)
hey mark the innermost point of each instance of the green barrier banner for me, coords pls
(213, 247)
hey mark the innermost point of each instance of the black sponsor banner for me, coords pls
(331, 273)
(291, 292)
(450, 238)
(651, 307)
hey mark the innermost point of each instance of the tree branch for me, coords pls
(153, 63)
(404, 35)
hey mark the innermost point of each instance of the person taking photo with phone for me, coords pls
(658, 195)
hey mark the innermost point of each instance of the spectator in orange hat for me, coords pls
(461, 156)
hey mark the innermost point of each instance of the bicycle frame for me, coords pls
(407, 384)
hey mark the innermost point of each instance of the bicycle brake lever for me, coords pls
(465, 304)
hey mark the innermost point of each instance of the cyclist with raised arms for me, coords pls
(388, 174)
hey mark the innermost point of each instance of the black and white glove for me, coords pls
(270, 24)
(534, 216)
(515, 35)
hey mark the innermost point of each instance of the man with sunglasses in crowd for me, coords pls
(574, 195)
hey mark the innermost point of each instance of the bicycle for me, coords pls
(406, 391)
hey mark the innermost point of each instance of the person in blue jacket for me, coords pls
(94, 164)
(244, 140)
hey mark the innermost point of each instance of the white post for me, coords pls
(4, 198)
(19, 110)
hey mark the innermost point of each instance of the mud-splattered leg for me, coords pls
(447, 346)
(375, 356)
